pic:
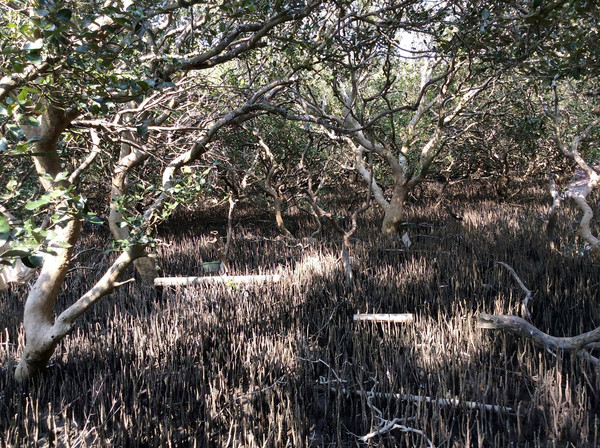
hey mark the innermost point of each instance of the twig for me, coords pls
(528, 295)
(390, 425)
(322, 379)
(117, 284)
(89, 159)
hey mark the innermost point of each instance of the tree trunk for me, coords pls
(393, 213)
(39, 331)
(42, 334)
(129, 158)
(271, 191)
(39, 339)
(279, 218)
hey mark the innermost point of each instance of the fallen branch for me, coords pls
(455, 402)
(444, 401)
(386, 425)
(520, 326)
(396, 318)
(389, 425)
(236, 279)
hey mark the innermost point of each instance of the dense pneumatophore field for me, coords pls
(284, 364)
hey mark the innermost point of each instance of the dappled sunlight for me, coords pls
(285, 363)
(320, 265)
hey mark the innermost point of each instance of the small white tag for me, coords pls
(406, 240)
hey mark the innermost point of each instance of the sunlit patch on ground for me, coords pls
(284, 364)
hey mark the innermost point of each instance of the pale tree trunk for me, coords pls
(40, 342)
(585, 231)
(52, 123)
(42, 334)
(583, 182)
(394, 212)
(279, 218)
(398, 163)
(37, 320)
(272, 191)
(406, 172)
(130, 156)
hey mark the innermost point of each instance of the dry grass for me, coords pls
(284, 364)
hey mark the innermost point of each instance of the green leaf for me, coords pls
(164, 85)
(4, 230)
(142, 130)
(37, 204)
(31, 121)
(64, 15)
(34, 57)
(22, 96)
(33, 261)
(15, 253)
(82, 49)
(61, 176)
(93, 219)
(14, 132)
(10, 49)
(34, 46)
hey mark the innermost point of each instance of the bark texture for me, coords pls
(41, 339)
(393, 213)
(42, 334)
(520, 326)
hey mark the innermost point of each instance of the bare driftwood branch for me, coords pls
(528, 295)
(455, 402)
(390, 425)
(334, 384)
(520, 326)
(395, 318)
(235, 279)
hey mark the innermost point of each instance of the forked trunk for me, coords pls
(393, 213)
(40, 334)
